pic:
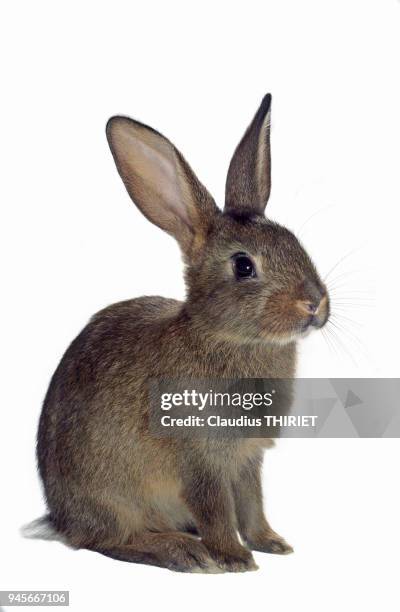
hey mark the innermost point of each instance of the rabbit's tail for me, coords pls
(41, 529)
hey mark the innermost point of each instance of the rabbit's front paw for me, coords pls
(187, 554)
(234, 559)
(269, 542)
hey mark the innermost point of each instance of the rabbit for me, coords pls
(188, 505)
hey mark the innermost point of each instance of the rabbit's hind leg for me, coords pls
(116, 530)
(176, 551)
(82, 520)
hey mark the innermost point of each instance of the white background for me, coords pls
(72, 243)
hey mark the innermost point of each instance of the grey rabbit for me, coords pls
(252, 293)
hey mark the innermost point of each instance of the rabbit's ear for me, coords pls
(160, 182)
(248, 183)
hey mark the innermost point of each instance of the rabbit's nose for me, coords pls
(312, 303)
(316, 311)
(309, 307)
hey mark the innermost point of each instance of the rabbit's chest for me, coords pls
(253, 362)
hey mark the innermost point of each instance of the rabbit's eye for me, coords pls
(243, 266)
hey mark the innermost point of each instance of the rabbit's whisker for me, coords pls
(352, 337)
(328, 342)
(314, 214)
(340, 316)
(346, 256)
(335, 337)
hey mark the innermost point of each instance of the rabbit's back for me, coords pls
(95, 404)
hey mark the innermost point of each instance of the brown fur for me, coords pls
(110, 485)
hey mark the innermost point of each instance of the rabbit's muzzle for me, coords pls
(290, 313)
(316, 312)
(312, 304)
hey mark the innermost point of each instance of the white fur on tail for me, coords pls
(40, 529)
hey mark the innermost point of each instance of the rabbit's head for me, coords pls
(248, 278)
